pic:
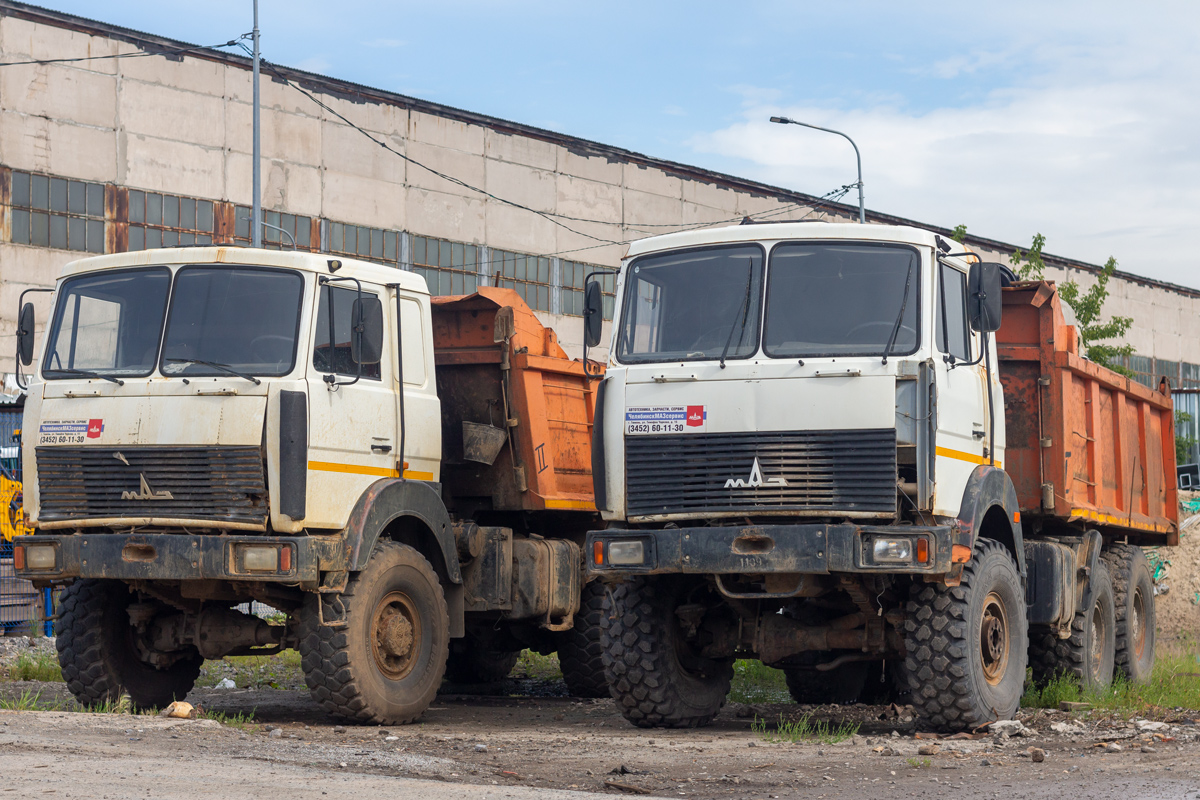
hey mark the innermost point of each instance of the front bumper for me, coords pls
(179, 557)
(761, 549)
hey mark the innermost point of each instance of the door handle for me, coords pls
(381, 448)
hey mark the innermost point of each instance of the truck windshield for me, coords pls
(237, 319)
(692, 305)
(107, 324)
(841, 300)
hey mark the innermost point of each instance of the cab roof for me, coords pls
(775, 231)
(318, 263)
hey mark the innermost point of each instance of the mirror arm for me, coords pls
(331, 378)
(20, 378)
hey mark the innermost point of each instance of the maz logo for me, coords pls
(146, 493)
(756, 479)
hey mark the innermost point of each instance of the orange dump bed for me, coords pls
(1085, 445)
(516, 412)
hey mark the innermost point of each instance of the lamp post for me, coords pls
(256, 207)
(862, 215)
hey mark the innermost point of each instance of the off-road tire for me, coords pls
(1133, 604)
(344, 666)
(961, 675)
(470, 662)
(1089, 654)
(97, 654)
(580, 652)
(642, 643)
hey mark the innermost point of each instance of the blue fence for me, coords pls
(23, 609)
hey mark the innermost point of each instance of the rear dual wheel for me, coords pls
(1089, 653)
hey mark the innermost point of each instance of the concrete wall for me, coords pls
(183, 126)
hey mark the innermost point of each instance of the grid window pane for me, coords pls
(58, 194)
(76, 197)
(75, 233)
(204, 216)
(58, 232)
(137, 237)
(20, 226)
(154, 208)
(40, 229)
(137, 206)
(41, 192)
(20, 189)
(187, 212)
(95, 200)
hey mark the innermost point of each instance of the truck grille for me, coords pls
(212, 484)
(826, 472)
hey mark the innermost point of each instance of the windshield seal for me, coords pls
(177, 366)
(744, 346)
(60, 373)
(911, 312)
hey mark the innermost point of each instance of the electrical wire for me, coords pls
(457, 181)
(169, 52)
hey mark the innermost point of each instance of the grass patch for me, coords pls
(755, 682)
(31, 701)
(255, 672)
(534, 666)
(1175, 683)
(919, 763)
(804, 729)
(238, 720)
(35, 667)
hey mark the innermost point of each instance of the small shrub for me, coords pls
(804, 729)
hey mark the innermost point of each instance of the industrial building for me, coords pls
(102, 155)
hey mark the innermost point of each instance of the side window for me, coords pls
(412, 334)
(336, 358)
(952, 334)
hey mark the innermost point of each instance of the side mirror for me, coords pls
(984, 302)
(25, 328)
(593, 313)
(366, 324)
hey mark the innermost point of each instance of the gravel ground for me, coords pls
(556, 743)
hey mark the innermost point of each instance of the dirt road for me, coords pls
(551, 747)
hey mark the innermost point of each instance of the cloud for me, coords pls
(1093, 143)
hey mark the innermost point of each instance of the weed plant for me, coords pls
(804, 729)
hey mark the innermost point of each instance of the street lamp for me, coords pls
(862, 216)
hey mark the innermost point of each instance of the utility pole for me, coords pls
(862, 215)
(256, 206)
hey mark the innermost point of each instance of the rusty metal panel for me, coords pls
(499, 366)
(1085, 445)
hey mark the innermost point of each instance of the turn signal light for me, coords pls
(285, 559)
(598, 553)
(18, 557)
(923, 550)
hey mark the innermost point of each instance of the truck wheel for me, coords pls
(471, 661)
(580, 653)
(385, 664)
(1133, 603)
(966, 644)
(99, 658)
(653, 673)
(1090, 652)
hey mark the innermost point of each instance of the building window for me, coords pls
(167, 220)
(1142, 368)
(449, 268)
(1189, 376)
(528, 275)
(298, 227)
(1169, 370)
(58, 213)
(369, 244)
(573, 275)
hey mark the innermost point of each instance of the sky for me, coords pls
(1076, 120)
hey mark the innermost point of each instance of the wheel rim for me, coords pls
(395, 635)
(1137, 622)
(1099, 637)
(993, 639)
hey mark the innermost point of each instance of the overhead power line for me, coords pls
(143, 54)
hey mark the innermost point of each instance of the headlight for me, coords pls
(892, 550)
(626, 553)
(260, 559)
(40, 556)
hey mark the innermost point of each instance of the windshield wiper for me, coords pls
(887, 351)
(744, 311)
(86, 373)
(215, 365)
